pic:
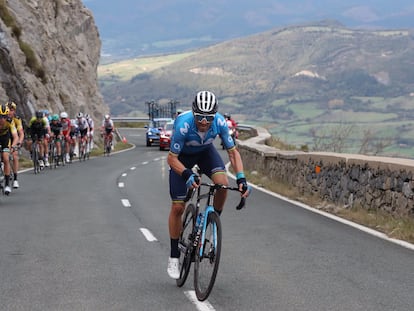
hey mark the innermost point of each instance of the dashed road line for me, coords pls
(125, 203)
(148, 235)
(200, 305)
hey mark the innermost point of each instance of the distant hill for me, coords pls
(310, 74)
(316, 62)
(130, 28)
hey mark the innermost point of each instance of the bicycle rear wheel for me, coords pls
(52, 156)
(81, 151)
(185, 243)
(108, 146)
(35, 158)
(2, 177)
(206, 265)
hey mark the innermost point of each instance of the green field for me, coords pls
(127, 69)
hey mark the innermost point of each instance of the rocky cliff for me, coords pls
(49, 53)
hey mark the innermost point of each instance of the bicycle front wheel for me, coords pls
(207, 263)
(185, 243)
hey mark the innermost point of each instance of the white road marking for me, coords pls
(146, 162)
(132, 168)
(200, 305)
(121, 185)
(125, 202)
(148, 235)
(124, 174)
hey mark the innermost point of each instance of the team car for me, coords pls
(165, 135)
(154, 130)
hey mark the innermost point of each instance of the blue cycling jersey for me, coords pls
(187, 139)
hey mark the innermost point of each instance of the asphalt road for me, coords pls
(94, 236)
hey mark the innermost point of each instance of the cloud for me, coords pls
(362, 14)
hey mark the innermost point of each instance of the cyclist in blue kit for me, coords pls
(192, 143)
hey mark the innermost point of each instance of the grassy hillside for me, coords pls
(311, 85)
(125, 70)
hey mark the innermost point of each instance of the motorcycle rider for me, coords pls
(232, 125)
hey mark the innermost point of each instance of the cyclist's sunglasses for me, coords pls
(200, 117)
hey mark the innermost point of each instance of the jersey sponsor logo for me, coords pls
(184, 130)
(177, 147)
(221, 122)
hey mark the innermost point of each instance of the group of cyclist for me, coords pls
(62, 130)
(44, 128)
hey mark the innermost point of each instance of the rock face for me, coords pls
(49, 53)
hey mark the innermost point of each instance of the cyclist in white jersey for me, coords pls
(91, 124)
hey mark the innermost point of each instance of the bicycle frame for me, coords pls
(202, 223)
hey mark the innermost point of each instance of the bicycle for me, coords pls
(107, 144)
(54, 159)
(52, 153)
(62, 158)
(82, 149)
(2, 176)
(35, 156)
(11, 160)
(200, 240)
(71, 149)
(89, 147)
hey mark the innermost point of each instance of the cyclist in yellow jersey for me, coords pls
(8, 139)
(38, 129)
(20, 133)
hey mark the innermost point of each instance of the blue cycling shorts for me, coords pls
(208, 160)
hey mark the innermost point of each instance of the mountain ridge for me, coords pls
(295, 80)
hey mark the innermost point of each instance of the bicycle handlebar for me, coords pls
(241, 204)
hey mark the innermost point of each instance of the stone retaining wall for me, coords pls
(343, 179)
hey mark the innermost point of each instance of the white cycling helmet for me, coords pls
(205, 102)
(107, 117)
(79, 115)
(63, 114)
